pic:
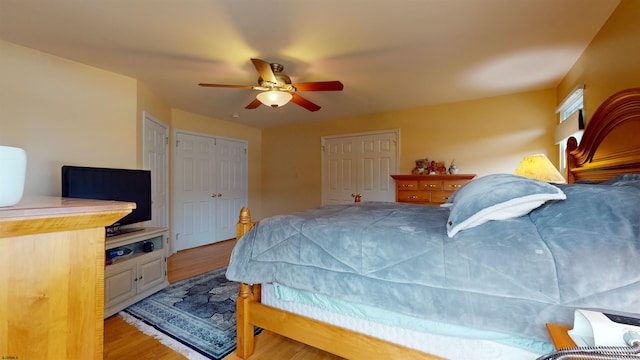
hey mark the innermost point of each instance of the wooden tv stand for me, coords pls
(131, 278)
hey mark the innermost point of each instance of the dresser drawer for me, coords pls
(453, 185)
(406, 185)
(431, 185)
(414, 196)
(440, 197)
(428, 189)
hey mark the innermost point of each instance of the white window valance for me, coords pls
(571, 99)
(571, 126)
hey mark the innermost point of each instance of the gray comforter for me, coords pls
(511, 275)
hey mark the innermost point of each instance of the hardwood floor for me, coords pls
(191, 262)
(123, 341)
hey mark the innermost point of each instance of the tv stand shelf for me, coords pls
(129, 279)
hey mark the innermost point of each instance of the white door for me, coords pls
(339, 171)
(231, 184)
(194, 220)
(209, 188)
(156, 158)
(377, 161)
(359, 164)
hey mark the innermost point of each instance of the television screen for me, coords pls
(111, 184)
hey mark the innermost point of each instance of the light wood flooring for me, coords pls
(123, 341)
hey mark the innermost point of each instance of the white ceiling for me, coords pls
(388, 54)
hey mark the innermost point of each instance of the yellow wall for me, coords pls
(611, 62)
(483, 136)
(63, 112)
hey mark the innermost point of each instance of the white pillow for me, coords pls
(497, 197)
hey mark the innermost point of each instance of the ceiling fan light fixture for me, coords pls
(274, 98)
(278, 89)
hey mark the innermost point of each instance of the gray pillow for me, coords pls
(497, 197)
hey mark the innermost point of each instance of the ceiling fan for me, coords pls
(277, 89)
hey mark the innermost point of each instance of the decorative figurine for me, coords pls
(421, 166)
(453, 169)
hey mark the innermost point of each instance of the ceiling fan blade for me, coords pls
(228, 86)
(319, 86)
(265, 71)
(304, 103)
(254, 104)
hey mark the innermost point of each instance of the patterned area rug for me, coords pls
(199, 312)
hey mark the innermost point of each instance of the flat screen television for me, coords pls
(111, 184)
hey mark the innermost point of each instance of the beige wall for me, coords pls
(611, 62)
(483, 136)
(63, 112)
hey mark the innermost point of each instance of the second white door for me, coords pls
(210, 188)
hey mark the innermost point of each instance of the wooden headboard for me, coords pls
(610, 144)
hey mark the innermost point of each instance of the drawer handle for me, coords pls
(455, 185)
(413, 197)
(407, 185)
(431, 185)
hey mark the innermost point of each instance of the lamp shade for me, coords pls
(274, 98)
(539, 167)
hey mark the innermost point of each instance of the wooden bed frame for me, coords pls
(610, 146)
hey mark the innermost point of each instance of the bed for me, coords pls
(478, 278)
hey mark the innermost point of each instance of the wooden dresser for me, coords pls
(428, 189)
(52, 253)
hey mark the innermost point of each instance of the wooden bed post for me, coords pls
(244, 329)
(244, 223)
